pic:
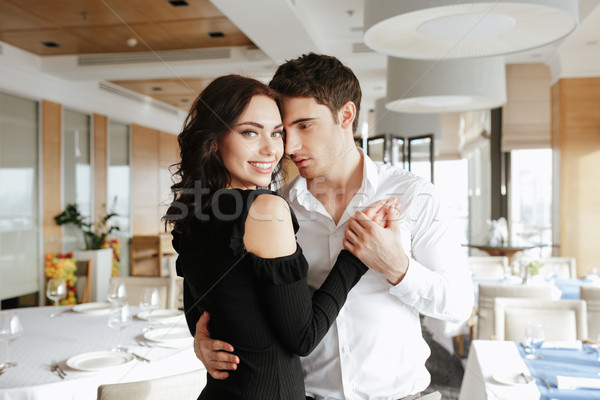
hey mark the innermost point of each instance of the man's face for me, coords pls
(313, 139)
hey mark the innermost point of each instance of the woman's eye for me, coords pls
(277, 134)
(249, 133)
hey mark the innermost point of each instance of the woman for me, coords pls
(236, 244)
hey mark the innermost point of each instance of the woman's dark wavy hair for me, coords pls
(201, 171)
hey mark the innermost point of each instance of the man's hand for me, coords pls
(216, 355)
(377, 211)
(377, 246)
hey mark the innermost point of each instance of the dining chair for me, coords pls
(559, 267)
(176, 286)
(591, 294)
(134, 285)
(484, 325)
(84, 277)
(185, 386)
(493, 267)
(563, 320)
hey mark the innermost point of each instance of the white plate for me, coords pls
(163, 316)
(513, 378)
(170, 335)
(92, 308)
(99, 360)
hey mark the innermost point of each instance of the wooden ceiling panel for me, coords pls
(162, 10)
(76, 13)
(114, 40)
(195, 34)
(32, 41)
(15, 18)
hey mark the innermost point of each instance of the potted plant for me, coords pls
(93, 234)
(97, 247)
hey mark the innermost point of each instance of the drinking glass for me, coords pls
(56, 289)
(117, 293)
(10, 329)
(149, 300)
(119, 318)
(534, 338)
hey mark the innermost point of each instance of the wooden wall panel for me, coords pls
(578, 141)
(100, 132)
(51, 174)
(145, 181)
(168, 155)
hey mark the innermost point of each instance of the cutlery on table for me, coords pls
(54, 367)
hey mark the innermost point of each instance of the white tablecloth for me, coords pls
(490, 357)
(46, 339)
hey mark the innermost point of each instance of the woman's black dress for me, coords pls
(263, 307)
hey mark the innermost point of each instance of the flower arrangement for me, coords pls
(115, 245)
(93, 234)
(534, 267)
(63, 266)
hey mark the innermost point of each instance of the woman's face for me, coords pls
(254, 146)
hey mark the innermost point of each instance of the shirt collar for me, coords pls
(298, 190)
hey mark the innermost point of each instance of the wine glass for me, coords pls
(119, 318)
(149, 301)
(56, 289)
(117, 293)
(534, 338)
(10, 329)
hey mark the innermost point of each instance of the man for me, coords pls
(375, 349)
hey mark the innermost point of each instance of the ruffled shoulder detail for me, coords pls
(236, 243)
(281, 270)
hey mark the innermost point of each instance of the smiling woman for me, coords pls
(237, 247)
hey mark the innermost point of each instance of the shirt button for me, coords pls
(346, 349)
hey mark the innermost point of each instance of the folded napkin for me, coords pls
(574, 382)
(565, 344)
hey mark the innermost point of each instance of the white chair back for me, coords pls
(493, 267)
(559, 267)
(562, 319)
(591, 295)
(489, 291)
(134, 285)
(185, 386)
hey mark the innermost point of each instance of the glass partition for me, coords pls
(20, 262)
(77, 173)
(119, 186)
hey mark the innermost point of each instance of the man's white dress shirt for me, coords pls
(375, 349)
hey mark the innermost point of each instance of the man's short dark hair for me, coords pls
(321, 77)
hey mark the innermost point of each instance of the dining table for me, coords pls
(499, 370)
(81, 343)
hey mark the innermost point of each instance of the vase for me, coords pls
(101, 271)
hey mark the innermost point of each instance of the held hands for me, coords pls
(374, 237)
(216, 355)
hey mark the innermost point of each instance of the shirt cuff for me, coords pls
(408, 288)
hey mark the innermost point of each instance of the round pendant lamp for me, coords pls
(403, 124)
(423, 86)
(435, 29)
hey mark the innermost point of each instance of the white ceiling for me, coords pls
(284, 29)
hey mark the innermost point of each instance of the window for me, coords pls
(530, 206)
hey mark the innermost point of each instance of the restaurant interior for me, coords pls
(496, 102)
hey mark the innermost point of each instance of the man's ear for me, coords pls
(347, 114)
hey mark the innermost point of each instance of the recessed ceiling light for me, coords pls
(51, 44)
(216, 34)
(178, 3)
